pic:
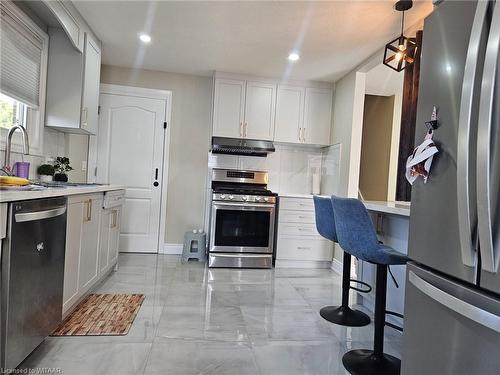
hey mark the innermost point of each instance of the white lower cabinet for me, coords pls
(91, 245)
(298, 243)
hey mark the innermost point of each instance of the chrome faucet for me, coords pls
(26, 145)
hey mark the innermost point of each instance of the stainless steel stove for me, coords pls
(242, 220)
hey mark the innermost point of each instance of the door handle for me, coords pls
(487, 246)
(480, 316)
(464, 126)
(155, 184)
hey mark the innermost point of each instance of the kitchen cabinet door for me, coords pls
(114, 235)
(72, 256)
(289, 114)
(317, 116)
(229, 104)
(104, 241)
(259, 110)
(91, 79)
(89, 260)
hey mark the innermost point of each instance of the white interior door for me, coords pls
(130, 153)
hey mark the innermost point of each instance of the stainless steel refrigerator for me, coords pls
(452, 301)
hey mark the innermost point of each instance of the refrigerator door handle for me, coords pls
(464, 126)
(474, 313)
(488, 248)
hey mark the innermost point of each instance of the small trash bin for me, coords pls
(194, 245)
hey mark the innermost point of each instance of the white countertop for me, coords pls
(395, 208)
(20, 195)
(294, 195)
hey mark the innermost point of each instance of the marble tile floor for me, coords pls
(196, 320)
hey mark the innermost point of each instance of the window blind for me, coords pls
(20, 60)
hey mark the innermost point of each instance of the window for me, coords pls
(23, 72)
(12, 112)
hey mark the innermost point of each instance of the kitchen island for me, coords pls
(392, 223)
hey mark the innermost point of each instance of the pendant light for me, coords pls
(399, 52)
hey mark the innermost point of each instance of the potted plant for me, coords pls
(46, 172)
(61, 167)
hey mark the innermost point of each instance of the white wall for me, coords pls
(189, 141)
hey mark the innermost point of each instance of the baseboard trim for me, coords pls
(337, 266)
(172, 248)
(286, 263)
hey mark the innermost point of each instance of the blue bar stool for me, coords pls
(357, 236)
(343, 314)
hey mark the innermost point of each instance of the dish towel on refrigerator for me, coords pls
(420, 161)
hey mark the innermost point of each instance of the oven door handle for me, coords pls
(244, 206)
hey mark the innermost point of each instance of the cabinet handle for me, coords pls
(303, 134)
(241, 129)
(303, 248)
(245, 129)
(85, 115)
(88, 213)
(114, 220)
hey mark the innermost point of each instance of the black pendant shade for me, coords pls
(399, 53)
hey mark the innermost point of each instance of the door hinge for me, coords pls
(165, 125)
(98, 109)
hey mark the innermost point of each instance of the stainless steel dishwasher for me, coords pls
(32, 275)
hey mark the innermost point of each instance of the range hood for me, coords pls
(235, 146)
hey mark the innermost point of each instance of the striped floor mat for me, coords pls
(101, 315)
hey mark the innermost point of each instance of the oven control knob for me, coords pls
(266, 199)
(257, 199)
(231, 197)
(222, 196)
(245, 197)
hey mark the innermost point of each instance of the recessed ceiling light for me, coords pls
(294, 56)
(145, 38)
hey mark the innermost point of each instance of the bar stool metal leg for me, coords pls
(343, 314)
(374, 362)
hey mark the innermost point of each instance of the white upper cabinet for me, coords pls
(259, 110)
(73, 72)
(289, 113)
(262, 109)
(244, 109)
(317, 116)
(91, 79)
(229, 108)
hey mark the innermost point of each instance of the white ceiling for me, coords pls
(246, 37)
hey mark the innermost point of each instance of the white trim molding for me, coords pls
(142, 92)
(286, 263)
(172, 249)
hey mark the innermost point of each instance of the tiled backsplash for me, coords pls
(53, 145)
(290, 167)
